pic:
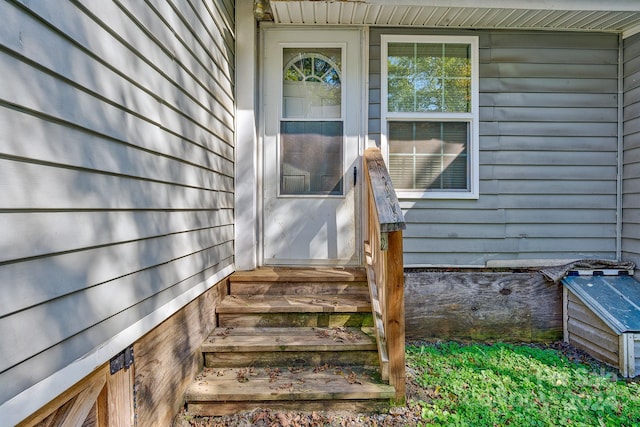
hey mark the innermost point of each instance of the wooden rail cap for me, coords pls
(384, 196)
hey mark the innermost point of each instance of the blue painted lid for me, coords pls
(615, 299)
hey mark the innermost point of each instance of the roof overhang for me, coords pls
(619, 16)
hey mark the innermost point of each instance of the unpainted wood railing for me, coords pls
(385, 269)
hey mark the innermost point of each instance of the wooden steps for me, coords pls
(291, 339)
(303, 346)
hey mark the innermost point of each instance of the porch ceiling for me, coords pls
(578, 15)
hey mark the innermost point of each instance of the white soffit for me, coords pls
(577, 15)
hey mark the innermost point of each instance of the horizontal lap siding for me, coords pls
(116, 170)
(548, 154)
(631, 171)
(588, 332)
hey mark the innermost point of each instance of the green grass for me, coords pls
(518, 385)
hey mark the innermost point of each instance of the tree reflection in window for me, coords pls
(312, 83)
(312, 67)
(429, 77)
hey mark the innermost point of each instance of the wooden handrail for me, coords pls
(385, 269)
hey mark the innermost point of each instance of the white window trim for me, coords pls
(472, 117)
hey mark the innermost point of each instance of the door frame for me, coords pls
(361, 131)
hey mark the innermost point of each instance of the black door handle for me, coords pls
(355, 175)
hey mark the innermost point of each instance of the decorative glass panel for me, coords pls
(429, 77)
(428, 155)
(311, 158)
(312, 86)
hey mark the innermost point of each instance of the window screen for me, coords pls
(428, 155)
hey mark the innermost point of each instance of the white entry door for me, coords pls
(312, 122)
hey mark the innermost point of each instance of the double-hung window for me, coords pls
(430, 115)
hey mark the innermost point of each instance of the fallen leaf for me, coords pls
(353, 379)
(323, 333)
(273, 374)
(262, 415)
(241, 376)
(223, 334)
(283, 419)
(320, 368)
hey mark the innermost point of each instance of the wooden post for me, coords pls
(384, 234)
(395, 315)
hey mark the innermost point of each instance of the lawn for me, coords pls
(519, 385)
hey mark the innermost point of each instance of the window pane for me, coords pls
(457, 95)
(429, 156)
(311, 158)
(428, 77)
(456, 60)
(311, 85)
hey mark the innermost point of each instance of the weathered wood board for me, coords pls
(482, 305)
(294, 304)
(169, 357)
(101, 399)
(262, 384)
(277, 320)
(242, 347)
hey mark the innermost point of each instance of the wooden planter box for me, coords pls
(602, 317)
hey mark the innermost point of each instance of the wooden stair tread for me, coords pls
(270, 384)
(299, 288)
(293, 304)
(289, 339)
(281, 274)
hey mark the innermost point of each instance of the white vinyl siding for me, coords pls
(116, 171)
(547, 153)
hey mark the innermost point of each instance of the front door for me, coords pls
(311, 98)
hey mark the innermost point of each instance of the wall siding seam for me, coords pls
(213, 173)
(228, 61)
(24, 404)
(81, 249)
(55, 333)
(169, 52)
(89, 54)
(64, 123)
(88, 92)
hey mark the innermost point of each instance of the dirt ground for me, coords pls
(265, 417)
